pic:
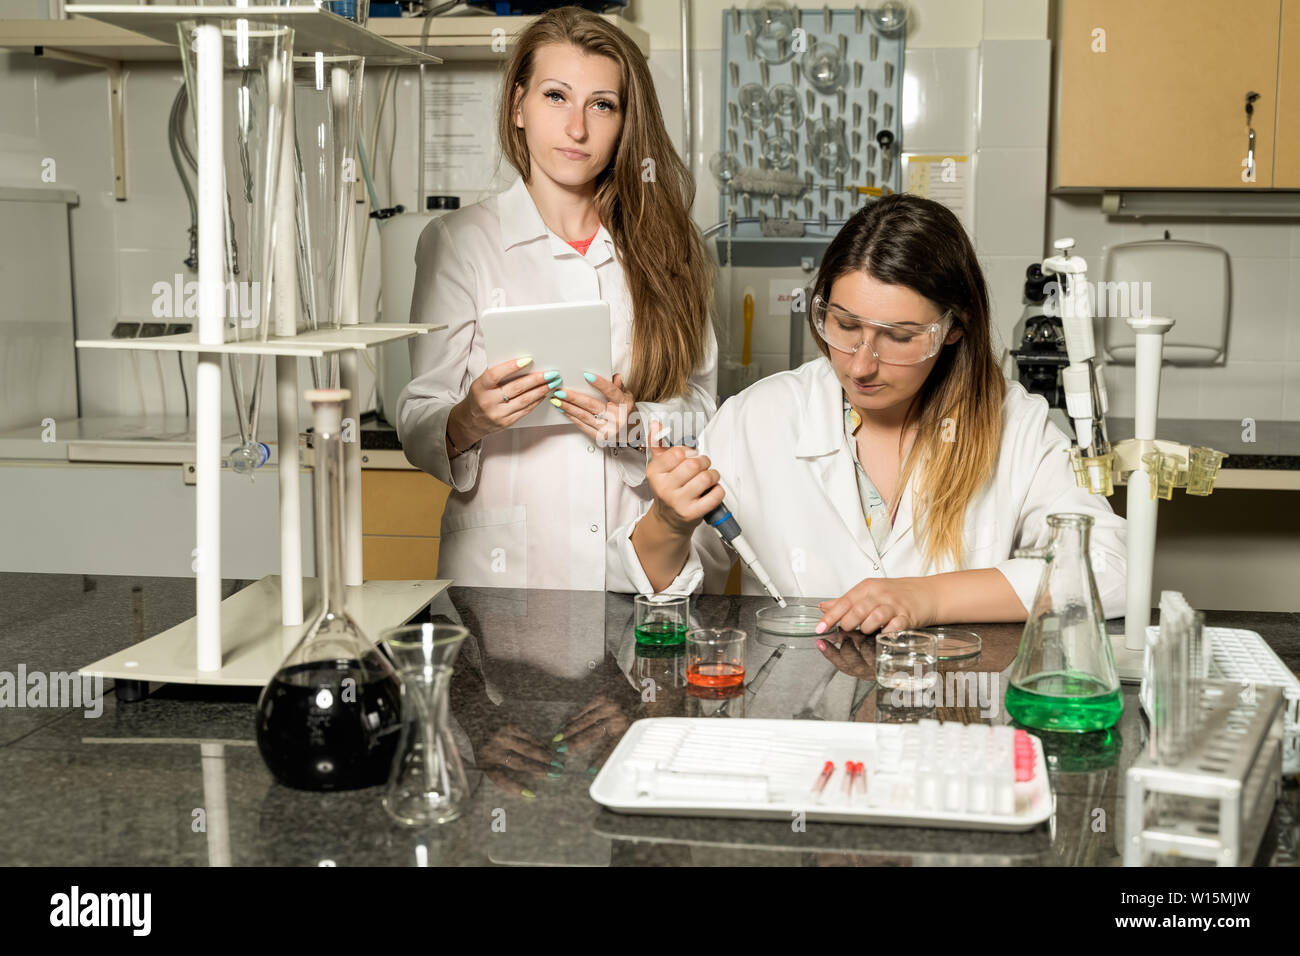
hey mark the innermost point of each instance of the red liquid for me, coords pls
(715, 675)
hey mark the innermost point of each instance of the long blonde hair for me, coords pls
(643, 198)
(917, 243)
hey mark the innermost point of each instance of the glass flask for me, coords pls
(1063, 677)
(330, 718)
(426, 783)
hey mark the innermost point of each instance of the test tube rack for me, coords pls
(1214, 803)
(1244, 658)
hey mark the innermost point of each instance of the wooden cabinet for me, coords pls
(1152, 94)
(401, 515)
(1286, 161)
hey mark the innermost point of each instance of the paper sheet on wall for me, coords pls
(945, 179)
(460, 145)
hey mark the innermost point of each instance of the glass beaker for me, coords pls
(662, 619)
(427, 783)
(1063, 677)
(329, 717)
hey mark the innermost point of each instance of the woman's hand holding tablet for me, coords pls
(494, 403)
(605, 422)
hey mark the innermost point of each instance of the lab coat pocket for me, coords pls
(487, 548)
(977, 548)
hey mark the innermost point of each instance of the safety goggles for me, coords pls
(890, 342)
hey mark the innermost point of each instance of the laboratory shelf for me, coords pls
(253, 641)
(312, 344)
(314, 29)
(469, 38)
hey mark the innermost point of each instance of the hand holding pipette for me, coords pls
(687, 489)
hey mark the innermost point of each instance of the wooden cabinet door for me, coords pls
(1153, 93)
(1286, 157)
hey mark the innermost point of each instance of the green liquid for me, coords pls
(1074, 703)
(662, 633)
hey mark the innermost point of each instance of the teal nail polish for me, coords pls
(560, 394)
(554, 776)
(558, 763)
(563, 748)
(589, 377)
(593, 770)
(552, 376)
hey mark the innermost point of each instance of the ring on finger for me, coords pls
(504, 399)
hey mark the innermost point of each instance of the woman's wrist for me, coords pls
(459, 440)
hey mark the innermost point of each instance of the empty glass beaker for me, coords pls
(1063, 677)
(427, 783)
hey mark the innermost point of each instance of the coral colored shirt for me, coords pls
(583, 245)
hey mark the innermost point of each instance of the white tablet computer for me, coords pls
(570, 337)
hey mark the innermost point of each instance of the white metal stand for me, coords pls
(262, 622)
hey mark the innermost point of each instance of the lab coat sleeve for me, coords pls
(440, 377)
(693, 409)
(1041, 451)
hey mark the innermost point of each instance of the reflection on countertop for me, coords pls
(129, 786)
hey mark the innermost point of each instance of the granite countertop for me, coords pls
(124, 787)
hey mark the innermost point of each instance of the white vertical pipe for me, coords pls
(208, 112)
(350, 315)
(1141, 511)
(286, 374)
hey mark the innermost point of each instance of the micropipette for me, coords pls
(721, 520)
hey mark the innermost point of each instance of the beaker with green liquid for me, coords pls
(1063, 677)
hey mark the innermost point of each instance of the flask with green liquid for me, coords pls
(1063, 678)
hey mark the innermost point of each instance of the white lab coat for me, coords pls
(530, 507)
(790, 482)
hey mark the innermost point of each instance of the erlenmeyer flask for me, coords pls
(1063, 677)
(426, 784)
(330, 717)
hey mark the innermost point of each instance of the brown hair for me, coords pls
(668, 271)
(917, 243)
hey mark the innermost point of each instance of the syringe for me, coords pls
(721, 520)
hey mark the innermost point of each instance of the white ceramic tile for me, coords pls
(1015, 78)
(1180, 391)
(1261, 239)
(1242, 389)
(1257, 326)
(940, 89)
(18, 127)
(1291, 400)
(1080, 218)
(1010, 201)
(1120, 390)
(1015, 19)
(944, 23)
(1005, 278)
(1293, 314)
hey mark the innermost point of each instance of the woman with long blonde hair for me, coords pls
(601, 210)
(896, 474)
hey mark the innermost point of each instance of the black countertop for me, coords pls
(125, 787)
(1268, 445)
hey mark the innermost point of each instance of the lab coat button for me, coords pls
(595, 528)
(591, 448)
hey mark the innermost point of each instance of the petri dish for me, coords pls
(793, 620)
(952, 644)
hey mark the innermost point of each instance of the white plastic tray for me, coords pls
(615, 786)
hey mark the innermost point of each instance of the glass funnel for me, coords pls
(330, 717)
(426, 784)
(253, 89)
(1063, 677)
